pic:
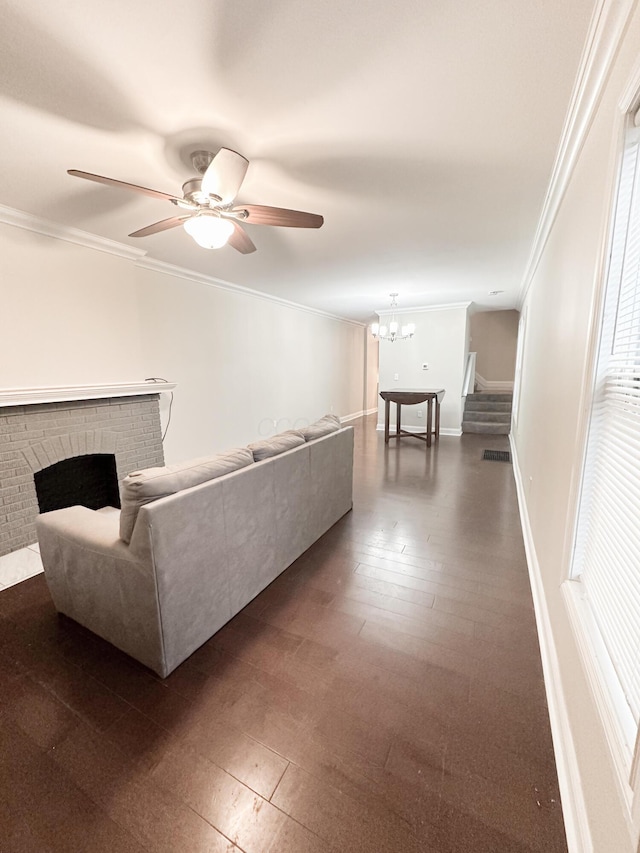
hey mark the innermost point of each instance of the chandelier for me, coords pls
(393, 332)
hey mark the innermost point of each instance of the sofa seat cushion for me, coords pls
(276, 444)
(326, 424)
(142, 487)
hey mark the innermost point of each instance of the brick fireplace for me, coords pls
(36, 435)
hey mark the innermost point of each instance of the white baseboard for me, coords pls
(355, 415)
(456, 431)
(499, 387)
(573, 803)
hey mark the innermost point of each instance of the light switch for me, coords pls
(396, 376)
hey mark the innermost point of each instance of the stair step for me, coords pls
(488, 417)
(481, 396)
(478, 406)
(486, 428)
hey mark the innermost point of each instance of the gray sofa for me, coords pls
(194, 543)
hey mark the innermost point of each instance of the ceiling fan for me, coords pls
(211, 215)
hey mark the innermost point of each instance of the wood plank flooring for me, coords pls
(383, 695)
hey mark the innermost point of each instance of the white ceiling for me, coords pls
(423, 130)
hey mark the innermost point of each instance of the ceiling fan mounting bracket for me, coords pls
(201, 160)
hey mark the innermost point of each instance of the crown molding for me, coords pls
(29, 222)
(66, 393)
(200, 278)
(606, 30)
(386, 312)
(629, 101)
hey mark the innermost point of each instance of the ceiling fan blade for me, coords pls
(260, 214)
(112, 182)
(224, 175)
(240, 240)
(163, 225)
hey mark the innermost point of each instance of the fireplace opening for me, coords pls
(90, 480)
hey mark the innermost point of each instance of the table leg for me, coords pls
(387, 406)
(437, 429)
(429, 417)
(398, 419)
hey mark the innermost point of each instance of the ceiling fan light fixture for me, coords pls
(210, 232)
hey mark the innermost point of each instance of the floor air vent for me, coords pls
(497, 455)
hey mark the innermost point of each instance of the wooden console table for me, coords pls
(412, 398)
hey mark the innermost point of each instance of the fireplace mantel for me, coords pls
(64, 393)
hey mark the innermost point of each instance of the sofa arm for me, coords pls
(84, 528)
(94, 578)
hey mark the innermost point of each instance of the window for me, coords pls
(606, 559)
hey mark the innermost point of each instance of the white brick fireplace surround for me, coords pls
(39, 427)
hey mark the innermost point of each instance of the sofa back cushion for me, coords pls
(142, 487)
(276, 444)
(326, 424)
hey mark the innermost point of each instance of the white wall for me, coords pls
(441, 341)
(493, 336)
(372, 356)
(69, 313)
(246, 366)
(548, 439)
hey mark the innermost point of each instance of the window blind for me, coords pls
(607, 551)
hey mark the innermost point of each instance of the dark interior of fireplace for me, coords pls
(90, 480)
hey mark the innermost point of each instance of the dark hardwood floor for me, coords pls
(383, 695)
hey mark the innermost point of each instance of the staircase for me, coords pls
(487, 413)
